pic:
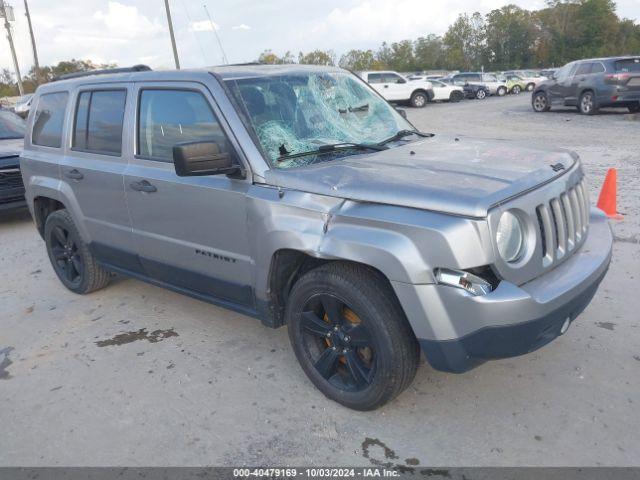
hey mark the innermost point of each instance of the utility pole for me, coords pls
(6, 12)
(36, 64)
(173, 38)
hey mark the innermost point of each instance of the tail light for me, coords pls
(616, 77)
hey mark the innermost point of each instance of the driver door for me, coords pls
(395, 86)
(189, 232)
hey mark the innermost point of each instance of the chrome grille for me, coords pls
(563, 223)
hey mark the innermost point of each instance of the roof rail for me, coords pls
(135, 68)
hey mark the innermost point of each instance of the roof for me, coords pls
(224, 71)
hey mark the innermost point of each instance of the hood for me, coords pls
(455, 175)
(11, 147)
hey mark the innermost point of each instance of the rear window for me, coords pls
(98, 123)
(628, 65)
(49, 119)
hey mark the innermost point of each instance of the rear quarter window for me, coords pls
(628, 65)
(49, 119)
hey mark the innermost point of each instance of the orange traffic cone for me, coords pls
(608, 194)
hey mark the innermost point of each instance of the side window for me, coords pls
(391, 78)
(584, 69)
(98, 122)
(597, 67)
(490, 78)
(169, 117)
(49, 119)
(375, 78)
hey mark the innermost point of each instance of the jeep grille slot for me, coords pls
(563, 223)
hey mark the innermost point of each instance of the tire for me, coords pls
(70, 257)
(530, 87)
(587, 103)
(363, 375)
(481, 94)
(540, 102)
(634, 108)
(456, 96)
(418, 99)
(502, 91)
(516, 89)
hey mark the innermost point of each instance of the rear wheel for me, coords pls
(456, 96)
(418, 99)
(516, 89)
(502, 91)
(481, 94)
(634, 108)
(70, 257)
(587, 103)
(540, 102)
(350, 335)
(530, 87)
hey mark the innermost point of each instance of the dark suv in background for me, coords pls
(592, 84)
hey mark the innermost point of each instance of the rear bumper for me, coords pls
(459, 331)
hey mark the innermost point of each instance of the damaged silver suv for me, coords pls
(298, 195)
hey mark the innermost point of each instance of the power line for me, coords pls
(215, 31)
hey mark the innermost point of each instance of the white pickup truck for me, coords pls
(395, 88)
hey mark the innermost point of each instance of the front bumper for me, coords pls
(462, 331)
(11, 187)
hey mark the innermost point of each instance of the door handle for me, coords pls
(385, 86)
(74, 174)
(143, 186)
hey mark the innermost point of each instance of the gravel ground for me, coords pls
(136, 375)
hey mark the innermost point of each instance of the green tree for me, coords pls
(269, 58)
(510, 38)
(317, 57)
(429, 53)
(465, 42)
(358, 60)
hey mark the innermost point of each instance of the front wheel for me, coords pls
(502, 91)
(540, 102)
(587, 103)
(634, 108)
(481, 94)
(530, 87)
(418, 99)
(516, 89)
(351, 336)
(70, 256)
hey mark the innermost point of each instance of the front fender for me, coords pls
(404, 244)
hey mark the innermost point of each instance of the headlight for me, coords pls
(510, 237)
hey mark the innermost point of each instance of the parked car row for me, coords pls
(12, 130)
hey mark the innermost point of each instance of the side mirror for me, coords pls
(402, 112)
(203, 158)
(401, 80)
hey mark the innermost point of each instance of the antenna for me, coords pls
(215, 31)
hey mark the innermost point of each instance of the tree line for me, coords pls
(505, 38)
(9, 87)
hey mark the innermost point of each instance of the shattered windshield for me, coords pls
(296, 116)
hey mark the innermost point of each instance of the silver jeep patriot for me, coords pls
(298, 195)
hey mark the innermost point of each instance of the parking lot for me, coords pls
(137, 375)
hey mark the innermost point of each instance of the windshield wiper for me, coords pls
(361, 108)
(404, 133)
(332, 148)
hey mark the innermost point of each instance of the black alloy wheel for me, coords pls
(67, 260)
(338, 343)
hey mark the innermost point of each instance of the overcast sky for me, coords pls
(128, 32)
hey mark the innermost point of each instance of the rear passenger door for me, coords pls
(92, 168)
(579, 81)
(190, 232)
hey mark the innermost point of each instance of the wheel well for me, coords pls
(287, 266)
(420, 90)
(42, 208)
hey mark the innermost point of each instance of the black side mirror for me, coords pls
(203, 158)
(402, 112)
(401, 80)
